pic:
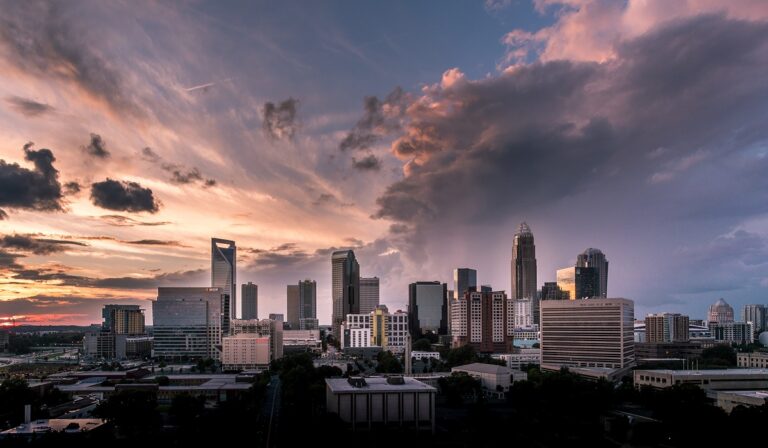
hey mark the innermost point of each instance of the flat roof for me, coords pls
(746, 393)
(55, 425)
(378, 384)
(707, 372)
(480, 367)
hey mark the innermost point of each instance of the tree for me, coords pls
(186, 409)
(388, 363)
(14, 394)
(422, 345)
(133, 411)
(163, 380)
(719, 356)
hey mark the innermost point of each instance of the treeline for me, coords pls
(22, 343)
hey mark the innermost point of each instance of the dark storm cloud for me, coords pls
(367, 163)
(72, 188)
(28, 107)
(279, 120)
(8, 260)
(478, 151)
(329, 199)
(36, 245)
(156, 243)
(22, 188)
(124, 196)
(179, 174)
(39, 39)
(97, 147)
(126, 221)
(379, 118)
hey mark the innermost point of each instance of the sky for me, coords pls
(418, 134)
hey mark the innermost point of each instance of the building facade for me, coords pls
(550, 291)
(224, 271)
(732, 332)
(369, 294)
(428, 308)
(666, 327)
(523, 312)
(523, 269)
(345, 287)
(578, 282)
(483, 320)
(595, 258)
(272, 329)
(293, 306)
(756, 315)
(123, 319)
(754, 360)
(308, 305)
(587, 333)
(245, 351)
(720, 312)
(250, 299)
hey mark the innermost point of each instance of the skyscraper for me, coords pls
(666, 327)
(293, 306)
(578, 282)
(756, 316)
(594, 258)
(308, 305)
(483, 320)
(428, 308)
(550, 291)
(250, 300)
(123, 319)
(224, 270)
(345, 287)
(369, 294)
(464, 279)
(720, 312)
(524, 270)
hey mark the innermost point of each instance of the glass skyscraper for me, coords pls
(308, 305)
(224, 270)
(428, 308)
(345, 288)
(250, 299)
(595, 258)
(523, 271)
(369, 294)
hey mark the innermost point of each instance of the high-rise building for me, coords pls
(720, 312)
(464, 279)
(756, 315)
(224, 271)
(308, 305)
(345, 287)
(550, 291)
(428, 308)
(587, 333)
(369, 294)
(483, 320)
(578, 282)
(594, 258)
(666, 327)
(271, 328)
(524, 269)
(732, 332)
(250, 299)
(123, 319)
(293, 308)
(379, 328)
(190, 322)
(523, 313)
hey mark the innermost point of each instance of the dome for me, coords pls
(763, 338)
(721, 302)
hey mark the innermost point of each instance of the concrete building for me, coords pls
(494, 379)
(757, 316)
(123, 319)
(428, 308)
(356, 331)
(521, 358)
(293, 306)
(345, 288)
(587, 333)
(595, 258)
(273, 329)
(367, 402)
(302, 341)
(280, 317)
(369, 294)
(224, 271)
(377, 329)
(720, 312)
(523, 312)
(732, 332)
(724, 379)
(483, 320)
(666, 327)
(728, 400)
(523, 270)
(122, 335)
(668, 350)
(578, 282)
(754, 360)
(190, 322)
(250, 298)
(246, 351)
(425, 355)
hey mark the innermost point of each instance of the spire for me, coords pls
(523, 229)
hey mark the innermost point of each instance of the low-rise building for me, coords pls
(725, 379)
(245, 351)
(521, 358)
(758, 360)
(57, 425)
(425, 355)
(494, 379)
(729, 399)
(302, 340)
(666, 350)
(396, 400)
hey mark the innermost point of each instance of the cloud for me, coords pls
(97, 147)
(72, 188)
(124, 196)
(379, 119)
(179, 174)
(39, 40)
(156, 243)
(279, 120)
(367, 163)
(325, 199)
(28, 107)
(8, 260)
(38, 189)
(61, 276)
(126, 221)
(36, 245)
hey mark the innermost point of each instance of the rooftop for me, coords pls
(378, 384)
(56, 425)
(709, 372)
(483, 368)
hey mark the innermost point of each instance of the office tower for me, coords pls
(523, 312)
(308, 305)
(293, 306)
(369, 294)
(280, 317)
(524, 269)
(123, 319)
(550, 291)
(428, 308)
(464, 279)
(190, 322)
(756, 315)
(594, 258)
(732, 332)
(356, 331)
(578, 282)
(345, 287)
(587, 333)
(666, 327)
(224, 270)
(483, 320)
(720, 312)
(250, 299)
(271, 328)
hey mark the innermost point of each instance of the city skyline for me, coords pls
(366, 127)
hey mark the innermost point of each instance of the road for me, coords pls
(271, 407)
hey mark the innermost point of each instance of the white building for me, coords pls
(494, 379)
(368, 402)
(425, 355)
(245, 351)
(523, 357)
(716, 379)
(263, 327)
(377, 329)
(523, 309)
(755, 360)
